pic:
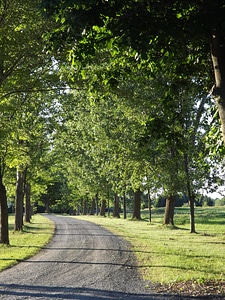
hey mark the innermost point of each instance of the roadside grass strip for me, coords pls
(168, 254)
(25, 243)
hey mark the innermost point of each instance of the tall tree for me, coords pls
(19, 201)
(186, 32)
(4, 233)
(21, 67)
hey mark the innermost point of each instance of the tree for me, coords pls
(4, 234)
(19, 200)
(186, 32)
(21, 67)
(28, 207)
(172, 35)
(169, 210)
(137, 205)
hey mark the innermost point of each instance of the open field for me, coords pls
(169, 255)
(26, 243)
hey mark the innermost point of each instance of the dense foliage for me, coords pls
(104, 100)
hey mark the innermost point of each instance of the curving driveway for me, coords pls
(83, 261)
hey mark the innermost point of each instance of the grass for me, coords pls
(173, 254)
(26, 243)
(165, 254)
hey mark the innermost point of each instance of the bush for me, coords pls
(220, 202)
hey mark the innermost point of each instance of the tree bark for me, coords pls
(27, 203)
(169, 210)
(124, 206)
(19, 201)
(149, 206)
(191, 198)
(137, 205)
(102, 209)
(96, 202)
(85, 206)
(190, 195)
(92, 212)
(218, 60)
(4, 238)
(116, 208)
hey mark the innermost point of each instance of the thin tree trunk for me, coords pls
(124, 206)
(27, 203)
(218, 60)
(108, 208)
(169, 210)
(116, 208)
(19, 201)
(4, 238)
(149, 206)
(192, 212)
(96, 202)
(92, 212)
(190, 196)
(85, 206)
(102, 209)
(47, 205)
(137, 205)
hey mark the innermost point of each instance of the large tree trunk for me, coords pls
(137, 205)
(102, 209)
(4, 238)
(169, 210)
(19, 201)
(116, 208)
(27, 203)
(218, 60)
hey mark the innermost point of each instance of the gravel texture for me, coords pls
(83, 261)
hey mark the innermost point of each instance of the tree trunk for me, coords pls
(191, 198)
(102, 209)
(149, 206)
(116, 208)
(85, 206)
(92, 212)
(137, 205)
(19, 201)
(108, 208)
(4, 238)
(169, 210)
(124, 206)
(27, 203)
(47, 205)
(190, 195)
(96, 202)
(218, 60)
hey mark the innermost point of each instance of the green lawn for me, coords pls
(26, 243)
(166, 254)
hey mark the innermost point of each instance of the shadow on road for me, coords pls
(50, 292)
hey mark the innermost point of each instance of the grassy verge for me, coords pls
(26, 243)
(165, 254)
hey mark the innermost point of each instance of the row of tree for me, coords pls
(28, 89)
(101, 98)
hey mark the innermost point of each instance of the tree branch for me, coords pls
(40, 91)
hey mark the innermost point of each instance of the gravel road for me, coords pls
(83, 261)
